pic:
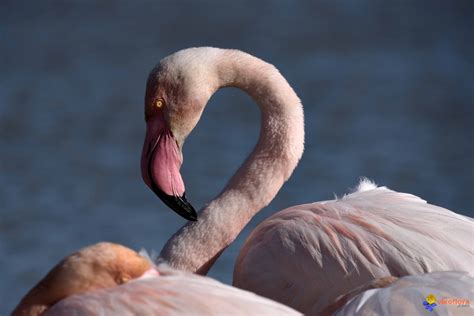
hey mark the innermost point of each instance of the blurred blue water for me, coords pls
(387, 90)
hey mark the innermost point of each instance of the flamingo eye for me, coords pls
(159, 103)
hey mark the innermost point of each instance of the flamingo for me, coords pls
(110, 279)
(307, 256)
(304, 256)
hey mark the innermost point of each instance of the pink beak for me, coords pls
(160, 164)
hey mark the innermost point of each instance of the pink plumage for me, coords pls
(306, 256)
(171, 293)
(325, 249)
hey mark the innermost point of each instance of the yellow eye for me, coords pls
(159, 103)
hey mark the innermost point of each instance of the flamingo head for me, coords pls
(177, 91)
(100, 266)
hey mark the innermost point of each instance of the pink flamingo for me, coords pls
(110, 279)
(304, 256)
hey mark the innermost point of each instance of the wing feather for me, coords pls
(406, 295)
(341, 244)
(172, 293)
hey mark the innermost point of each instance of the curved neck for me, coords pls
(197, 245)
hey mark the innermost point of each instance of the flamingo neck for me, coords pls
(197, 245)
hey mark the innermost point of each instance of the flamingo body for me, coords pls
(171, 293)
(110, 279)
(308, 255)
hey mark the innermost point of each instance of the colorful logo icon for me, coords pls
(430, 302)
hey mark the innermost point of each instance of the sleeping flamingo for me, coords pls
(304, 256)
(110, 279)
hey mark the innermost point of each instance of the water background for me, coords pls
(387, 89)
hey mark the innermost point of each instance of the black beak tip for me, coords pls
(185, 209)
(192, 217)
(179, 204)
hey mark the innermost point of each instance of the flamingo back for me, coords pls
(308, 255)
(171, 293)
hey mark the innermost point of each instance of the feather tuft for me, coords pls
(365, 184)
